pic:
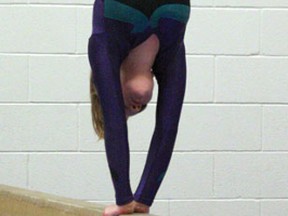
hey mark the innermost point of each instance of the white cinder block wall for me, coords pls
(230, 155)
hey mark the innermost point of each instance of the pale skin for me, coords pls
(137, 77)
(137, 87)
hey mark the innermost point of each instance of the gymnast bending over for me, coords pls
(126, 51)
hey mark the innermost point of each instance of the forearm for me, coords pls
(172, 82)
(105, 66)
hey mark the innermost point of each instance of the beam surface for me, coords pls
(22, 202)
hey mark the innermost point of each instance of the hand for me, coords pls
(115, 210)
(140, 207)
(130, 208)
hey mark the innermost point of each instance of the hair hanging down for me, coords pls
(96, 110)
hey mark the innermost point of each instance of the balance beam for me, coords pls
(22, 202)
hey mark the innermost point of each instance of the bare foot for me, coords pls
(140, 207)
(115, 210)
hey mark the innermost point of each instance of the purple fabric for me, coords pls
(109, 44)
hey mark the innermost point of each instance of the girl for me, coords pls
(132, 41)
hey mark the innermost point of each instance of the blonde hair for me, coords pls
(96, 110)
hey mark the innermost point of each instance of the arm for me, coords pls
(170, 72)
(105, 59)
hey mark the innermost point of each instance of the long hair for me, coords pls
(96, 110)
